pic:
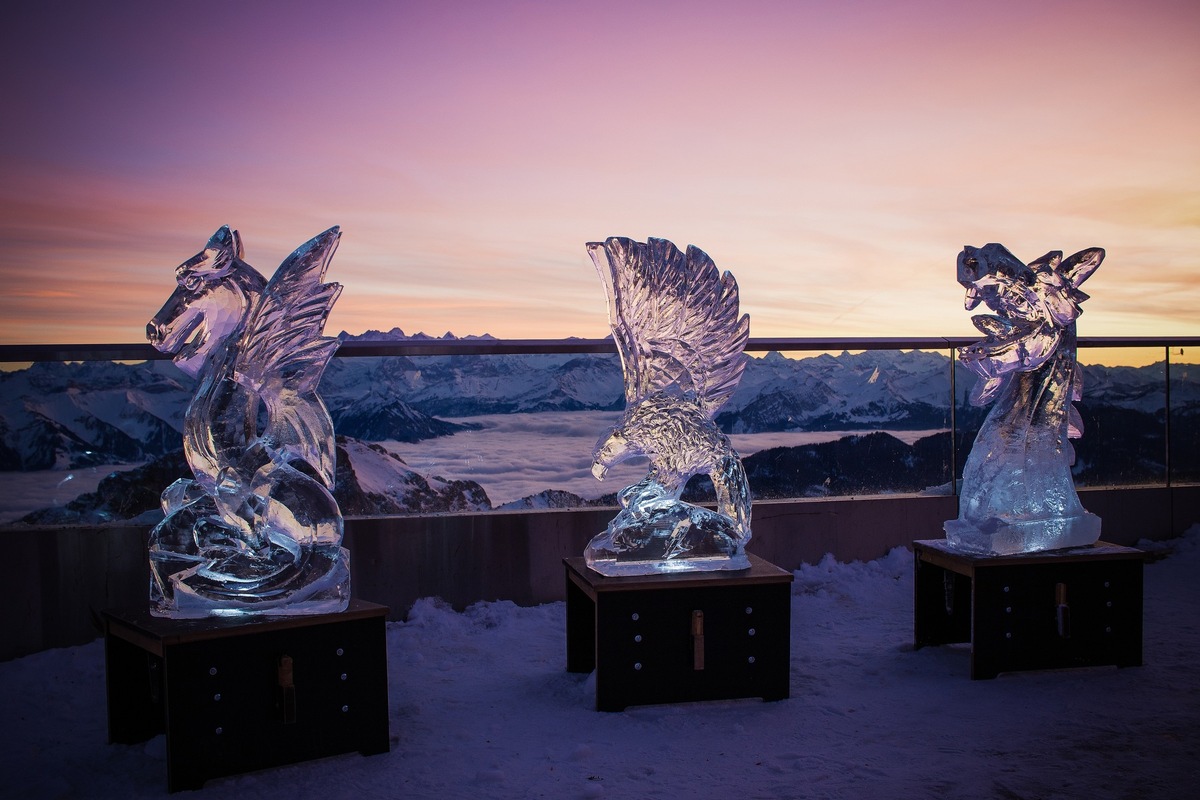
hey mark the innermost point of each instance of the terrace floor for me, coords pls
(481, 706)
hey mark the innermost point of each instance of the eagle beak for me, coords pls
(599, 470)
(972, 299)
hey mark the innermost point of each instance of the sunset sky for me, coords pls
(834, 156)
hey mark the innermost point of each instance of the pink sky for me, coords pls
(834, 156)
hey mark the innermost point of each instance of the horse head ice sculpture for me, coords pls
(1017, 491)
(257, 529)
(675, 321)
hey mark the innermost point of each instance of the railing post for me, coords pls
(1167, 414)
(953, 426)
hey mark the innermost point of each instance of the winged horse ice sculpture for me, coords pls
(1017, 492)
(256, 530)
(675, 321)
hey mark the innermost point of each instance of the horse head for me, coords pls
(217, 290)
(1035, 305)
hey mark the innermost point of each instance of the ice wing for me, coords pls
(283, 346)
(283, 355)
(675, 320)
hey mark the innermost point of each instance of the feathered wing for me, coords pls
(674, 318)
(283, 351)
(283, 343)
(1077, 269)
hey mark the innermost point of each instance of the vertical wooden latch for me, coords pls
(697, 640)
(948, 592)
(1063, 610)
(287, 690)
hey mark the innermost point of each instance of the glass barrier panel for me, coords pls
(1124, 417)
(864, 423)
(1184, 368)
(90, 442)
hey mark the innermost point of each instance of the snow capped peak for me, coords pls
(373, 336)
(398, 335)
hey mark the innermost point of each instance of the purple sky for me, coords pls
(834, 157)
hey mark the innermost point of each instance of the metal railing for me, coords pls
(20, 353)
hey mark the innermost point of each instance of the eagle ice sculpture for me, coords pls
(675, 321)
(257, 530)
(1017, 492)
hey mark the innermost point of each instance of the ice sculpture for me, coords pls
(257, 530)
(1017, 492)
(676, 325)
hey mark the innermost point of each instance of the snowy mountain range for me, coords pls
(73, 415)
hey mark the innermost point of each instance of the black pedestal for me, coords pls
(234, 695)
(680, 637)
(1065, 608)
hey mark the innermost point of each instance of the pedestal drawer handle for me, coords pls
(287, 690)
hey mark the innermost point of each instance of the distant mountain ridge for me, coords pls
(397, 335)
(65, 416)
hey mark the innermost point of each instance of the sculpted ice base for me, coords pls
(1024, 536)
(321, 587)
(658, 533)
(614, 568)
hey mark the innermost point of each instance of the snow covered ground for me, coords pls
(482, 707)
